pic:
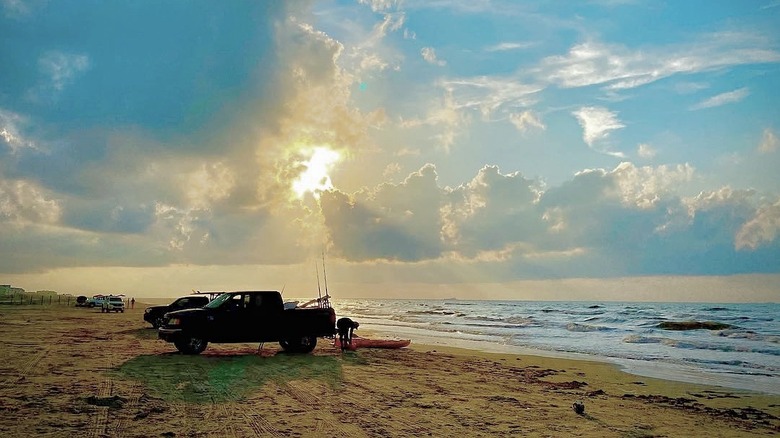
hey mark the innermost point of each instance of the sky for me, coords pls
(484, 149)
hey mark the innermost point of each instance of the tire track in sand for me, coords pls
(30, 365)
(132, 402)
(262, 427)
(100, 426)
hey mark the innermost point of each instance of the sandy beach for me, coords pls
(68, 371)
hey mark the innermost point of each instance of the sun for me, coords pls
(315, 178)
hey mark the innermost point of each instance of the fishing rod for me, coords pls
(325, 277)
(319, 290)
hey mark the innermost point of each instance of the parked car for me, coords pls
(248, 316)
(113, 304)
(81, 301)
(96, 301)
(154, 315)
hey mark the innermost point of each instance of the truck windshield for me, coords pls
(216, 302)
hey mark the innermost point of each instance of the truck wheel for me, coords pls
(300, 345)
(158, 322)
(191, 345)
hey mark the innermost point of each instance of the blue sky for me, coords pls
(485, 149)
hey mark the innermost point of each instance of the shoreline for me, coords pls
(657, 370)
(69, 371)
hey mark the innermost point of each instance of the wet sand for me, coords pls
(66, 371)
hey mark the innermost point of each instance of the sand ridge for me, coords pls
(66, 371)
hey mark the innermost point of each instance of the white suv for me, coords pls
(115, 304)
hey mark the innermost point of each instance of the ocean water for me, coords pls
(745, 355)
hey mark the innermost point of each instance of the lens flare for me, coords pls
(316, 178)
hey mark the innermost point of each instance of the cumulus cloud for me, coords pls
(26, 202)
(763, 228)
(492, 213)
(644, 150)
(597, 123)
(429, 55)
(526, 120)
(722, 99)
(392, 222)
(769, 142)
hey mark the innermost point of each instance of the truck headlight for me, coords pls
(174, 321)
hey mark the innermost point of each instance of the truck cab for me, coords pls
(247, 316)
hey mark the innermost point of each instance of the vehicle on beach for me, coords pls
(96, 301)
(248, 316)
(81, 301)
(154, 315)
(113, 304)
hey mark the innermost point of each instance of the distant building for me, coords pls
(6, 289)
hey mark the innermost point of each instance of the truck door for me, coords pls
(232, 317)
(262, 321)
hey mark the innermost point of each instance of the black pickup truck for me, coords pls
(247, 316)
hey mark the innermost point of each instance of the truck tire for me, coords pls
(158, 322)
(191, 345)
(299, 345)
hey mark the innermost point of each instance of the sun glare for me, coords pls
(316, 178)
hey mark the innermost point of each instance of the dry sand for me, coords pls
(77, 372)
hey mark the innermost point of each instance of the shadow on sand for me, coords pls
(215, 378)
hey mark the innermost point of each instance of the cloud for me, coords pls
(491, 214)
(690, 87)
(392, 222)
(597, 123)
(617, 67)
(26, 202)
(722, 99)
(644, 150)
(11, 132)
(445, 115)
(380, 5)
(526, 120)
(16, 8)
(771, 4)
(490, 94)
(429, 55)
(508, 46)
(762, 229)
(59, 70)
(769, 142)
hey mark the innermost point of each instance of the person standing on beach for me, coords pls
(132, 303)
